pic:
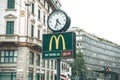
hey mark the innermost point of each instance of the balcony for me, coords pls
(34, 43)
(8, 38)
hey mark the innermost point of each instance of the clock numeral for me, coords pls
(57, 13)
(50, 21)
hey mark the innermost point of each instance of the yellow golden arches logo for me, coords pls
(57, 42)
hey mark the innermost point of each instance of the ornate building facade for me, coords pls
(23, 22)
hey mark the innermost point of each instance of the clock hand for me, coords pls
(56, 24)
(58, 21)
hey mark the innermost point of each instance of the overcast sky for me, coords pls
(99, 17)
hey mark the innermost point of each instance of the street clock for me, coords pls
(58, 21)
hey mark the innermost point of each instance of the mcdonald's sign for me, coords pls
(59, 45)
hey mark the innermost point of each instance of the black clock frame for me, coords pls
(66, 26)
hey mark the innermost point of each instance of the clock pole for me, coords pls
(58, 24)
(58, 69)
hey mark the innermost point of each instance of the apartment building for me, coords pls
(23, 22)
(99, 55)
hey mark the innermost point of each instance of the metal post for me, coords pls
(58, 69)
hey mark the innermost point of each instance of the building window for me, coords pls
(62, 66)
(43, 63)
(38, 34)
(48, 63)
(37, 59)
(52, 64)
(52, 75)
(31, 58)
(37, 77)
(11, 4)
(30, 76)
(10, 27)
(38, 14)
(55, 64)
(48, 8)
(32, 8)
(42, 1)
(43, 76)
(47, 76)
(44, 19)
(7, 76)
(32, 31)
(8, 56)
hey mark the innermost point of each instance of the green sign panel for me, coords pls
(59, 45)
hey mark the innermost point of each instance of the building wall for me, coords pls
(20, 50)
(101, 52)
(98, 52)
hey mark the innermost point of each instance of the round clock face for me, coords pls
(57, 20)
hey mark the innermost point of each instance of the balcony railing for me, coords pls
(8, 38)
(30, 40)
(35, 41)
(16, 38)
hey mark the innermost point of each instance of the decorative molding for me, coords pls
(10, 16)
(44, 30)
(7, 69)
(39, 26)
(22, 13)
(10, 9)
(33, 21)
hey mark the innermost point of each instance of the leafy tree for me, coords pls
(78, 64)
